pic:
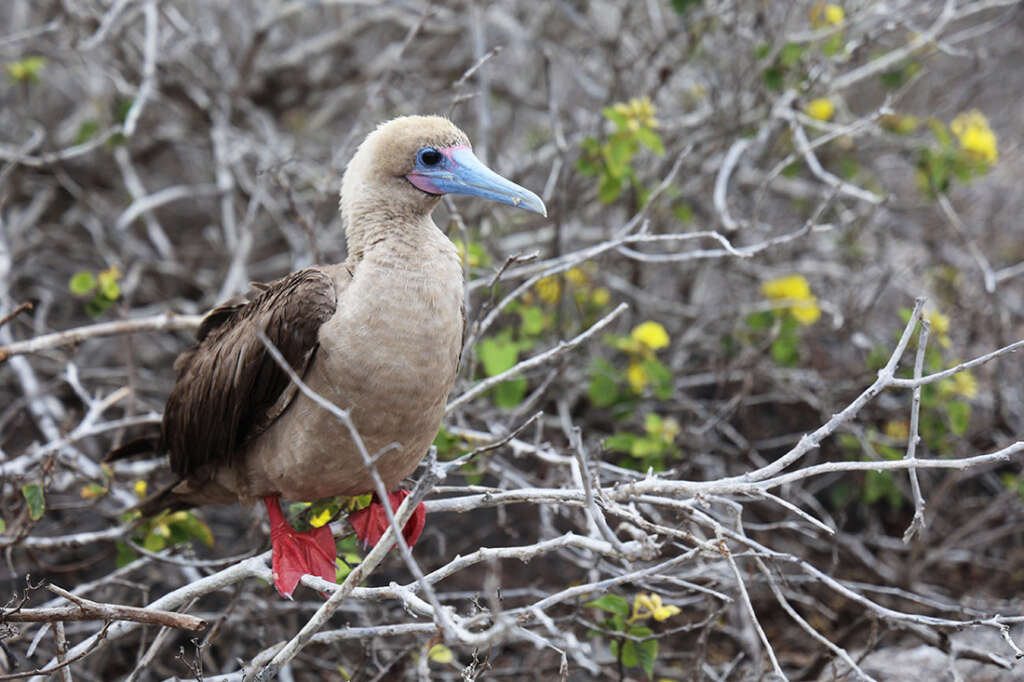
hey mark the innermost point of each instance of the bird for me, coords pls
(379, 335)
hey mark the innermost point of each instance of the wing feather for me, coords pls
(229, 388)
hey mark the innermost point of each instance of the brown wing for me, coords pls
(229, 388)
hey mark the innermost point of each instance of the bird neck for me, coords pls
(370, 223)
(386, 238)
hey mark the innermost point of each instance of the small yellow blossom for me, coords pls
(645, 606)
(834, 14)
(549, 289)
(966, 385)
(637, 377)
(826, 15)
(639, 111)
(796, 289)
(601, 296)
(439, 653)
(940, 327)
(650, 334)
(320, 518)
(822, 109)
(897, 429)
(791, 287)
(806, 312)
(976, 137)
(576, 277)
(140, 488)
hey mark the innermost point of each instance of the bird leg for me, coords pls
(371, 522)
(296, 554)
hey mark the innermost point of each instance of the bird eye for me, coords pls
(430, 156)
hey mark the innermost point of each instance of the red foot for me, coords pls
(371, 522)
(296, 554)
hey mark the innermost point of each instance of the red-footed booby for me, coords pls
(379, 335)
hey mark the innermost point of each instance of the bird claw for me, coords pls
(371, 522)
(296, 554)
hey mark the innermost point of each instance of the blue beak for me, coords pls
(460, 172)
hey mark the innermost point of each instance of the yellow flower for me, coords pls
(826, 15)
(549, 289)
(645, 606)
(637, 377)
(794, 288)
(821, 109)
(320, 518)
(806, 312)
(140, 488)
(833, 14)
(897, 429)
(576, 276)
(439, 653)
(940, 327)
(601, 297)
(965, 384)
(639, 111)
(650, 334)
(976, 137)
(791, 287)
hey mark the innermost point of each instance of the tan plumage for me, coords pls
(379, 335)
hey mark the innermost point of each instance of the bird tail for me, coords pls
(146, 445)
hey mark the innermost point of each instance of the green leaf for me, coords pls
(611, 603)
(26, 70)
(681, 6)
(760, 321)
(125, 554)
(609, 188)
(121, 108)
(661, 378)
(33, 493)
(848, 441)
(629, 656)
(97, 306)
(533, 321)
(86, 131)
(651, 140)
(683, 212)
(603, 390)
(773, 78)
(498, 354)
(509, 394)
(82, 283)
(621, 442)
(618, 156)
(647, 652)
(790, 54)
(878, 486)
(831, 46)
(3, 526)
(195, 528)
(785, 352)
(108, 286)
(618, 118)
(154, 542)
(959, 414)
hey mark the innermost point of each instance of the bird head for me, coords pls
(409, 163)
